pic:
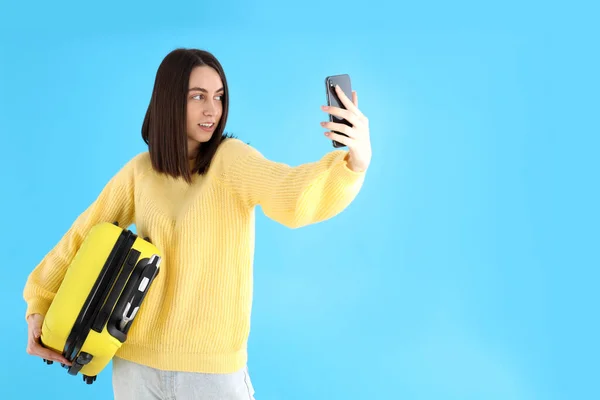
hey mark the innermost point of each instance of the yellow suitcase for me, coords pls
(97, 301)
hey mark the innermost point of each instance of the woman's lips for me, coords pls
(207, 127)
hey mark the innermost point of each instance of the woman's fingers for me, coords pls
(341, 128)
(48, 354)
(350, 105)
(34, 348)
(345, 140)
(343, 114)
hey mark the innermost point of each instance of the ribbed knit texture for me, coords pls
(196, 316)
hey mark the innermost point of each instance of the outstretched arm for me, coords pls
(311, 192)
(293, 196)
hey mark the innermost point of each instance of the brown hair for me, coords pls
(164, 127)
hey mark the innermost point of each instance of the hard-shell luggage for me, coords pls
(99, 297)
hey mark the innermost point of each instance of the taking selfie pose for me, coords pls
(194, 193)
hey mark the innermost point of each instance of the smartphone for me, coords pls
(334, 101)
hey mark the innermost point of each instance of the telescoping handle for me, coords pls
(144, 282)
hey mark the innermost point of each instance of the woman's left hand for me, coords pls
(358, 140)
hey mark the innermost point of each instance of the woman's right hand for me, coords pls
(34, 347)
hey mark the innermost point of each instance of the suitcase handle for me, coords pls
(132, 296)
(133, 305)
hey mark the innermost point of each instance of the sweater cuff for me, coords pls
(37, 306)
(343, 171)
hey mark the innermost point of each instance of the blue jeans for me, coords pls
(133, 381)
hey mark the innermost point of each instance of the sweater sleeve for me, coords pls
(293, 196)
(114, 203)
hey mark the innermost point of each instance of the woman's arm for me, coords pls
(309, 193)
(293, 196)
(115, 203)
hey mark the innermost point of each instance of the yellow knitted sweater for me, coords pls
(196, 316)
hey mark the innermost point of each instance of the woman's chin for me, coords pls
(199, 137)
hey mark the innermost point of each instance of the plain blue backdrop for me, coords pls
(467, 268)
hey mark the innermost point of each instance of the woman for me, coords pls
(194, 193)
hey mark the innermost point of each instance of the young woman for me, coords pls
(194, 193)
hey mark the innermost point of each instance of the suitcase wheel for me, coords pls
(49, 362)
(89, 379)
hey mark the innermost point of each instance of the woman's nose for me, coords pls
(209, 109)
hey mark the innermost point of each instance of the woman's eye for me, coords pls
(201, 96)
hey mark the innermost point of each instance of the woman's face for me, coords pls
(204, 106)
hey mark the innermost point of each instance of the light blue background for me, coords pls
(468, 266)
